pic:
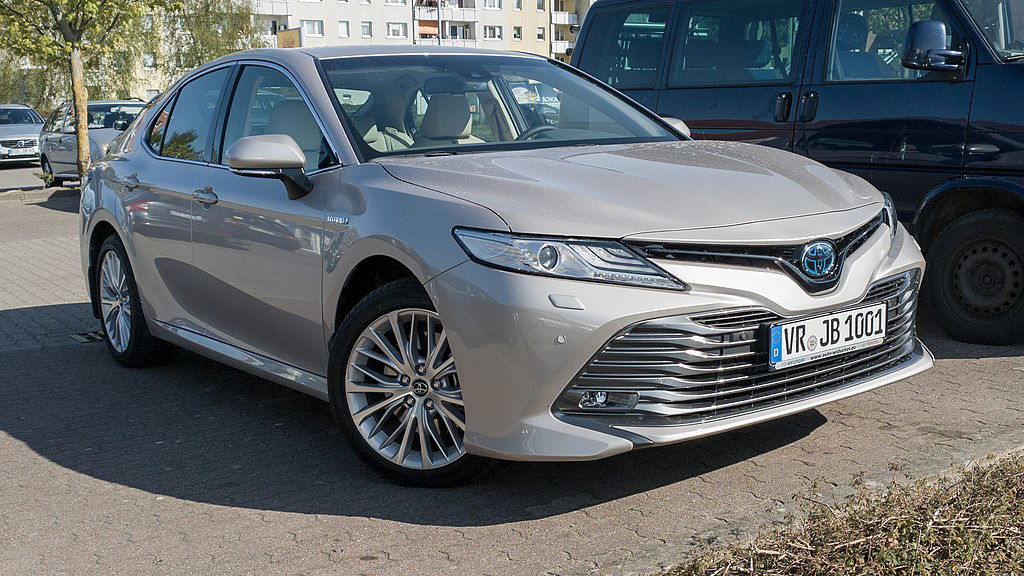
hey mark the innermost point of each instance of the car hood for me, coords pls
(614, 191)
(20, 131)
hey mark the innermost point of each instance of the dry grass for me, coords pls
(970, 523)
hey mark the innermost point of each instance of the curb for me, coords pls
(32, 196)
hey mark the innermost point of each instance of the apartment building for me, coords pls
(537, 26)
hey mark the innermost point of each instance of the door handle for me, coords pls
(808, 106)
(783, 105)
(130, 182)
(982, 150)
(205, 197)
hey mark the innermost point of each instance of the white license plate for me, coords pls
(794, 343)
(22, 151)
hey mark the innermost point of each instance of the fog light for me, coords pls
(596, 399)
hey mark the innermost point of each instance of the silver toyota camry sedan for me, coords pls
(478, 255)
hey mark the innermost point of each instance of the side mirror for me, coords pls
(271, 156)
(67, 129)
(926, 48)
(678, 124)
(120, 125)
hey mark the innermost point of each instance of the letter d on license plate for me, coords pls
(807, 340)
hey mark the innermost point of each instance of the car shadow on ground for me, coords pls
(196, 430)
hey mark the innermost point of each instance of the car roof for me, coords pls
(327, 52)
(16, 106)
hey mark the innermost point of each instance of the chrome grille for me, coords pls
(713, 365)
(26, 143)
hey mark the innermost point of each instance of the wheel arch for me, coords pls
(366, 276)
(101, 230)
(957, 198)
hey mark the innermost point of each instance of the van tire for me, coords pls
(975, 278)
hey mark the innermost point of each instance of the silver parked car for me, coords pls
(58, 143)
(400, 232)
(19, 133)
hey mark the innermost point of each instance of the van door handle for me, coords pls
(982, 150)
(808, 106)
(130, 182)
(783, 105)
(205, 197)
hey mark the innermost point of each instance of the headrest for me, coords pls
(852, 33)
(447, 117)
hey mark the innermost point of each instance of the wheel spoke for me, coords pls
(385, 384)
(446, 368)
(383, 359)
(424, 442)
(393, 355)
(380, 425)
(450, 415)
(396, 328)
(369, 410)
(450, 396)
(436, 352)
(403, 448)
(431, 427)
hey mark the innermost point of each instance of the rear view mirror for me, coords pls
(271, 156)
(926, 48)
(678, 124)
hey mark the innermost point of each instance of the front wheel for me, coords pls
(48, 172)
(395, 390)
(975, 278)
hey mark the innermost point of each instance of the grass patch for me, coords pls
(968, 523)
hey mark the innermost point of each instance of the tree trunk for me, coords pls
(80, 95)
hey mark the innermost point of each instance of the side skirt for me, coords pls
(267, 368)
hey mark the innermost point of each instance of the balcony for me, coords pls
(456, 14)
(565, 18)
(559, 47)
(271, 8)
(466, 42)
(426, 12)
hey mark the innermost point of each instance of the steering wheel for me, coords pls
(531, 132)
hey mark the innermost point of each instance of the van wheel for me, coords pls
(48, 171)
(395, 389)
(975, 278)
(121, 317)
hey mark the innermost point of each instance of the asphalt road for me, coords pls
(19, 176)
(196, 468)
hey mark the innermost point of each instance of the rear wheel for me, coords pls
(121, 317)
(48, 171)
(396, 392)
(975, 279)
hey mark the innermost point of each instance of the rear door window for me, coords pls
(737, 42)
(189, 129)
(624, 47)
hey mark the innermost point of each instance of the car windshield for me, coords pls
(106, 115)
(1002, 23)
(437, 104)
(10, 116)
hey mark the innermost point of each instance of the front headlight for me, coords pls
(594, 260)
(890, 215)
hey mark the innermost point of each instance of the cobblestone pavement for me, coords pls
(195, 468)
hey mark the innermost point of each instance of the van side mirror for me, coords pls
(271, 156)
(926, 48)
(678, 124)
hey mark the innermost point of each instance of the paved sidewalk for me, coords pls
(195, 468)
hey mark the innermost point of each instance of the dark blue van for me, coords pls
(925, 99)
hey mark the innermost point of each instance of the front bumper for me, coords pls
(519, 342)
(19, 154)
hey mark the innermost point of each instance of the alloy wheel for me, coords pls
(115, 301)
(403, 392)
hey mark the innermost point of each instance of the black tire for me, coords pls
(143, 348)
(975, 278)
(397, 295)
(48, 170)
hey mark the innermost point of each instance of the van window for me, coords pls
(1002, 23)
(624, 46)
(737, 42)
(870, 36)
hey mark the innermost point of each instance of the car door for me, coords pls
(157, 182)
(65, 155)
(257, 253)
(903, 130)
(50, 140)
(736, 67)
(624, 47)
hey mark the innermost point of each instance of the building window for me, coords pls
(492, 32)
(540, 5)
(492, 4)
(397, 29)
(149, 60)
(313, 27)
(395, 2)
(367, 29)
(518, 5)
(517, 33)
(364, 2)
(342, 28)
(540, 33)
